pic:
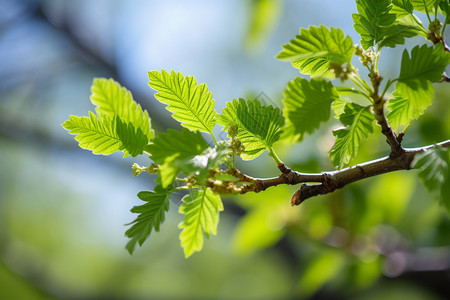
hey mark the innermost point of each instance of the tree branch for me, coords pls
(331, 180)
(378, 111)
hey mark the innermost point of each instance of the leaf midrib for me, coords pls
(189, 108)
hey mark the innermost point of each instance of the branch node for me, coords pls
(285, 170)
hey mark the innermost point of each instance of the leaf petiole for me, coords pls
(275, 156)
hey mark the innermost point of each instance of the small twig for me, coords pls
(445, 78)
(378, 111)
(330, 181)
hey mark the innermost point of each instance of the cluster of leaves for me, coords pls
(183, 160)
(119, 126)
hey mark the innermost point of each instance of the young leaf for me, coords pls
(133, 139)
(113, 99)
(425, 65)
(434, 170)
(402, 8)
(202, 164)
(338, 107)
(191, 104)
(315, 48)
(401, 111)
(372, 19)
(184, 144)
(104, 134)
(258, 125)
(444, 5)
(201, 209)
(151, 216)
(306, 104)
(397, 32)
(425, 5)
(168, 148)
(359, 125)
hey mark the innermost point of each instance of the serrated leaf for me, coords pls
(372, 19)
(258, 125)
(113, 99)
(133, 139)
(168, 148)
(151, 216)
(402, 113)
(425, 65)
(434, 170)
(338, 107)
(396, 34)
(103, 134)
(424, 5)
(359, 125)
(306, 105)
(183, 144)
(191, 104)
(315, 48)
(444, 5)
(402, 8)
(201, 209)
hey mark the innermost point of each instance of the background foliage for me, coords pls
(60, 229)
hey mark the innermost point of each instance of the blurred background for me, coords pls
(63, 209)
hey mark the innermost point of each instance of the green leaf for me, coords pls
(425, 5)
(113, 99)
(201, 209)
(338, 107)
(315, 48)
(258, 125)
(359, 125)
(396, 34)
(168, 149)
(307, 104)
(191, 104)
(202, 164)
(402, 8)
(434, 170)
(183, 144)
(402, 113)
(425, 65)
(445, 8)
(103, 134)
(372, 19)
(133, 139)
(151, 216)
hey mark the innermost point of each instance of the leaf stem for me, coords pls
(445, 25)
(214, 138)
(275, 156)
(360, 83)
(426, 10)
(388, 85)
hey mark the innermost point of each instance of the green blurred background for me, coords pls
(63, 210)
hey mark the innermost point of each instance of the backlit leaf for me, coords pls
(151, 216)
(201, 209)
(258, 125)
(372, 19)
(104, 134)
(190, 103)
(171, 148)
(434, 170)
(424, 66)
(307, 104)
(315, 48)
(113, 99)
(359, 125)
